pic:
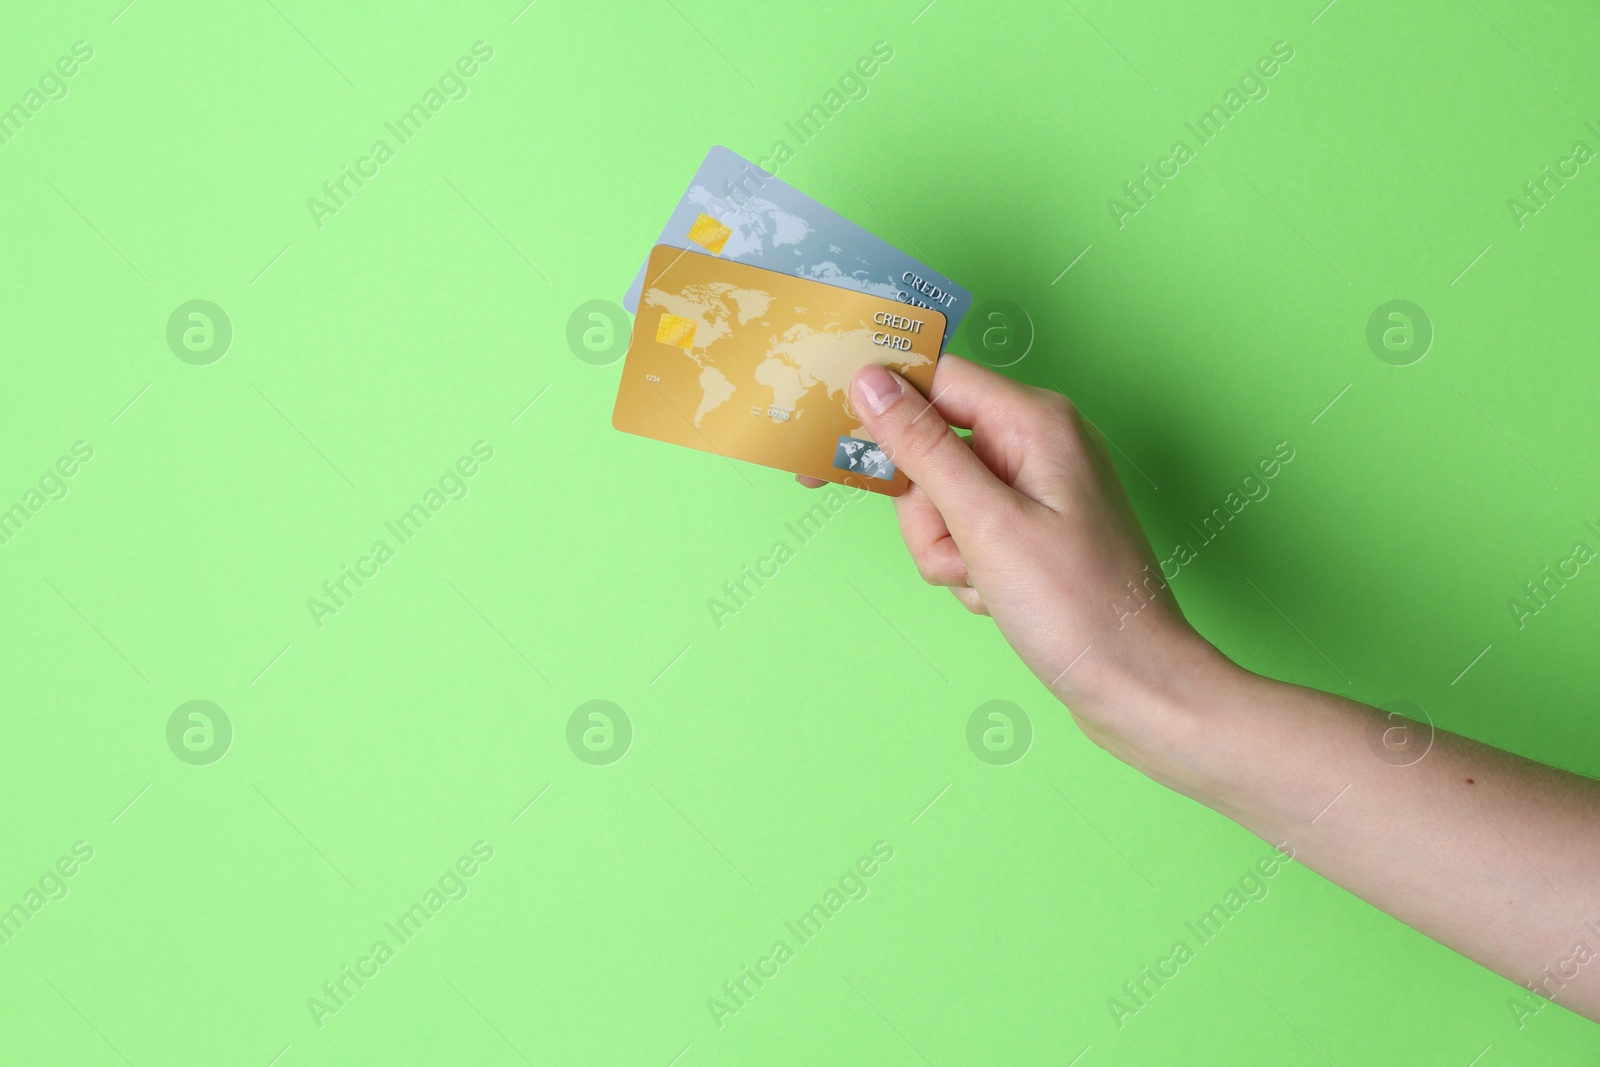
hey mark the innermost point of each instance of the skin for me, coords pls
(1026, 521)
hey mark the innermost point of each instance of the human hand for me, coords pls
(1027, 521)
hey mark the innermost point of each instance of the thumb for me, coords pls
(918, 441)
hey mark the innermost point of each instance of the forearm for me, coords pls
(1492, 855)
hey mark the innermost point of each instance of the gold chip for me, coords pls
(709, 234)
(675, 331)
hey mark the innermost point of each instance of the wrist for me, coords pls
(1160, 713)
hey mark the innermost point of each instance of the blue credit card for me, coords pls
(735, 210)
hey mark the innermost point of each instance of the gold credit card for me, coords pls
(756, 365)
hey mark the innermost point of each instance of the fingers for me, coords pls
(971, 600)
(968, 395)
(928, 539)
(918, 441)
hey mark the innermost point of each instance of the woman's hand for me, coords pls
(1026, 521)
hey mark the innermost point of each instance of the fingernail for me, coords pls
(876, 388)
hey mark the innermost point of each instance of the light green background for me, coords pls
(770, 753)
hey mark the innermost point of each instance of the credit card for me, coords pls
(736, 210)
(756, 365)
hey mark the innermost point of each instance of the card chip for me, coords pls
(675, 331)
(709, 234)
